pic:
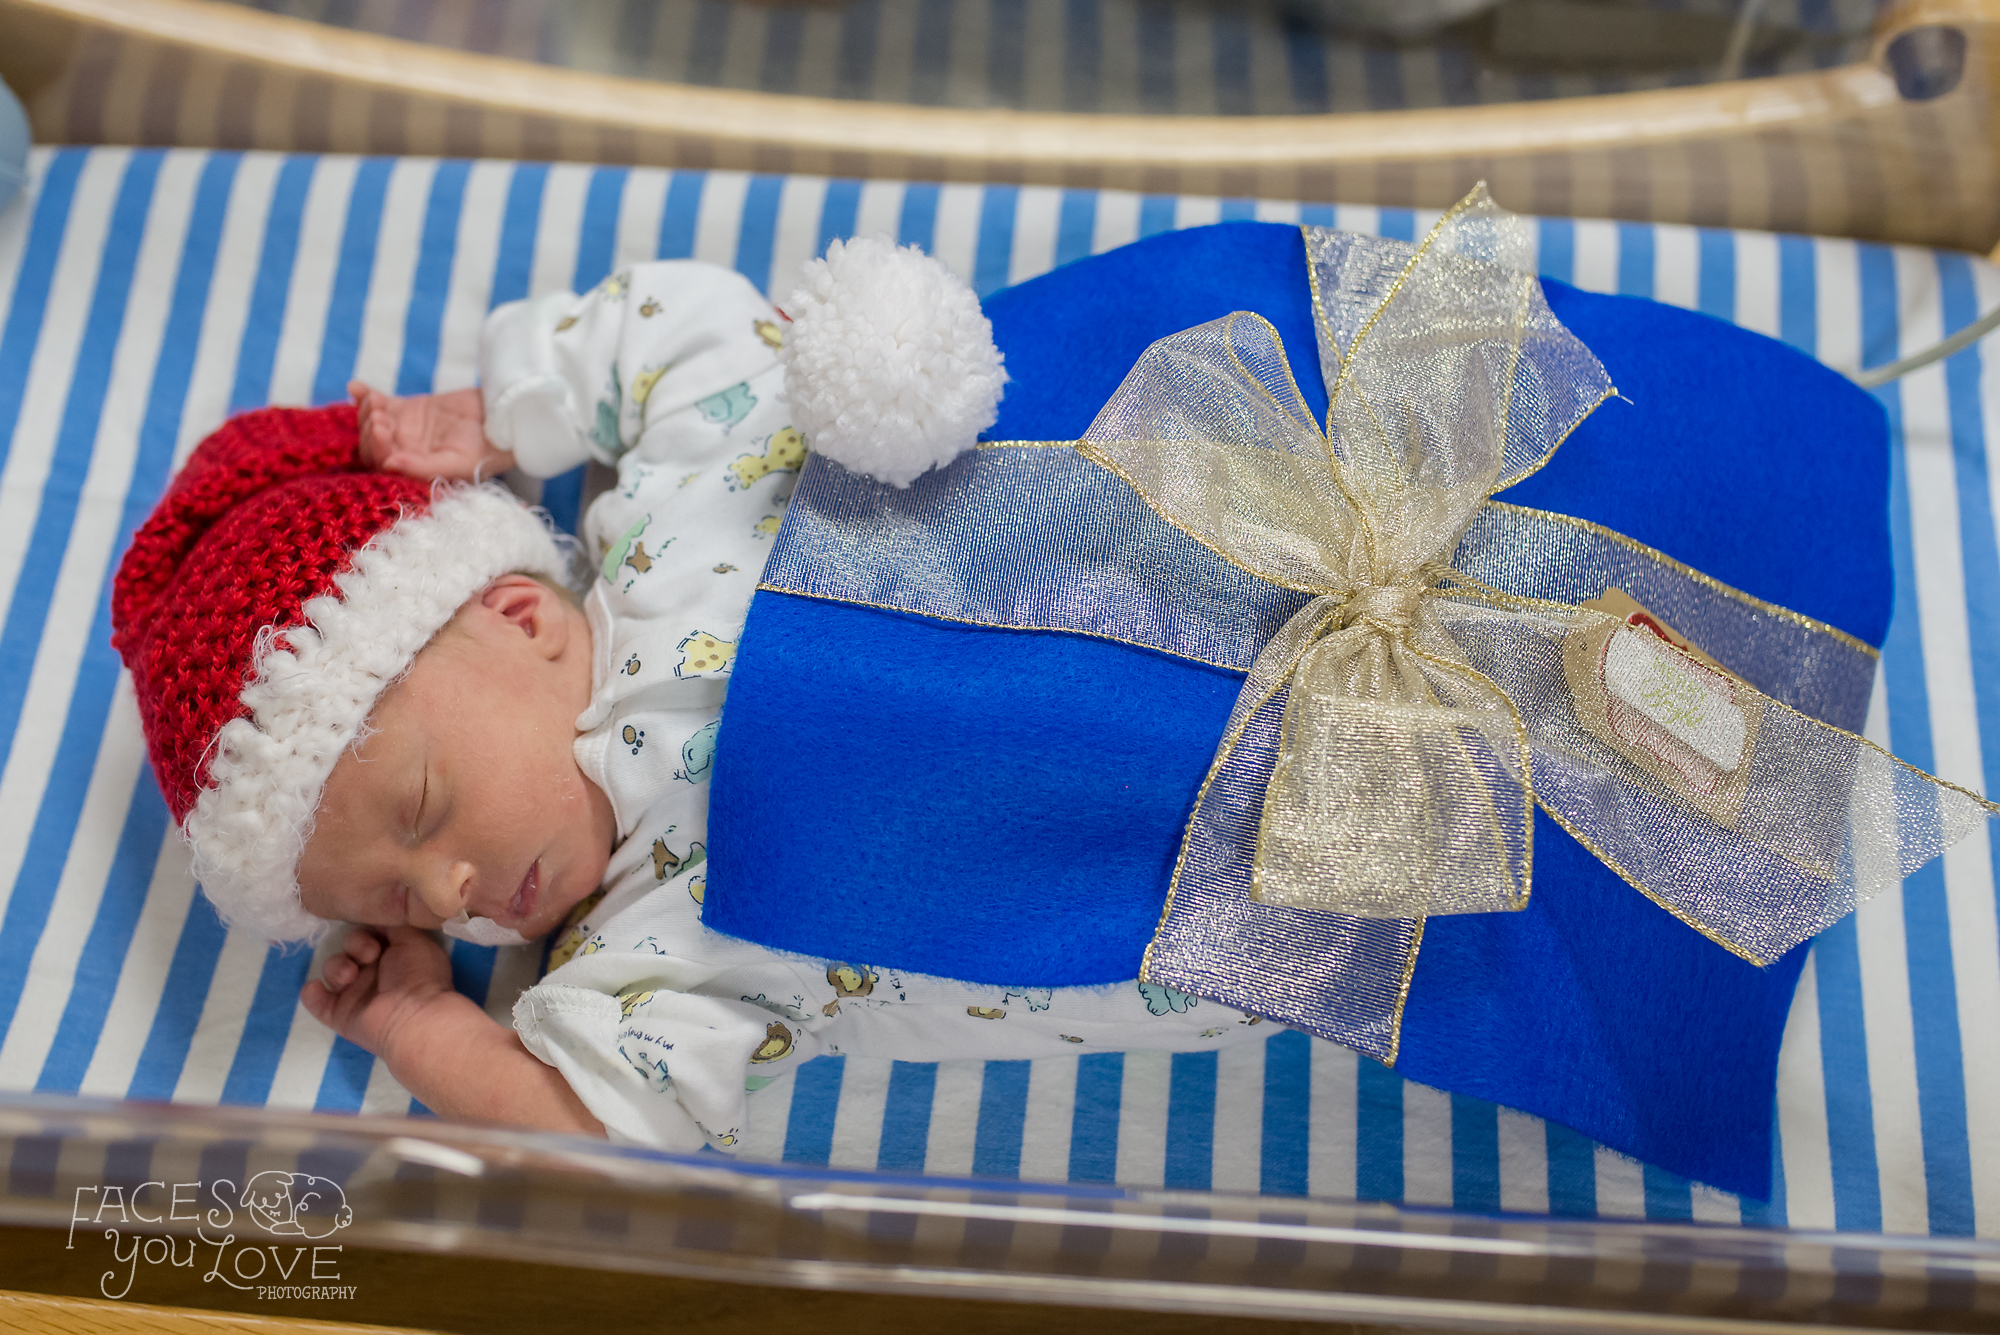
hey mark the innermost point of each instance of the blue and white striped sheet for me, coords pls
(147, 295)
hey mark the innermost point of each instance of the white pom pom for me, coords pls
(890, 366)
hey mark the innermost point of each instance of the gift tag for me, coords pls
(1664, 705)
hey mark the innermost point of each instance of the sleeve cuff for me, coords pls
(529, 407)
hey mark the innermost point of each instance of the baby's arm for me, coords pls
(389, 991)
(566, 379)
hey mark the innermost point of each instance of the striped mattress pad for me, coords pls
(146, 295)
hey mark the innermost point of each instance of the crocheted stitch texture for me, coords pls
(276, 591)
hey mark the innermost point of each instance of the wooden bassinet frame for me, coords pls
(1834, 152)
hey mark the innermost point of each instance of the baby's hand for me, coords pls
(382, 979)
(427, 435)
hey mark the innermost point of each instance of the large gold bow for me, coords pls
(1426, 713)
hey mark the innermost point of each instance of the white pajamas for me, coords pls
(668, 372)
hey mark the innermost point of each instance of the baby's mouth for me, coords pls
(522, 905)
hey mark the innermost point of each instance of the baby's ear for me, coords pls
(531, 607)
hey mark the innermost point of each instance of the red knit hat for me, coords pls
(277, 589)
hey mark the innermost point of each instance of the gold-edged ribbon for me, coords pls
(1427, 713)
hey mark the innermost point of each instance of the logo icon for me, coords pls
(297, 1204)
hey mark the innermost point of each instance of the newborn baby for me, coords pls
(373, 697)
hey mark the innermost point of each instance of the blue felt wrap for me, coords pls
(1005, 806)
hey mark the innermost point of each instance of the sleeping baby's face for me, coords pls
(464, 793)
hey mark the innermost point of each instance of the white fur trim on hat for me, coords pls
(311, 688)
(890, 367)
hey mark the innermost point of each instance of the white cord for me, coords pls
(1964, 338)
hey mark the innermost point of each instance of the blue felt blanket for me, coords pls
(1005, 806)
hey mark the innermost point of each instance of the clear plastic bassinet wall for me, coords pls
(1882, 133)
(1825, 117)
(212, 1190)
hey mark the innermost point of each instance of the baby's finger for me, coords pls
(340, 971)
(363, 946)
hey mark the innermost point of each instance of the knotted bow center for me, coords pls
(1391, 608)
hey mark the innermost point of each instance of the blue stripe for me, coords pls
(708, 45)
(264, 318)
(1156, 214)
(1190, 1163)
(190, 974)
(906, 1117)
(1635, 259)
(1239, 210)
(36, 275)
(1003, 1119)
(267, 1026)
(1572, 1171)
(562, 497)
(681, 215)
(1378, 1132)
(1382, 68)
(1475, 1155)
(930, 51)
(1318, 215)
(1850, 1108)
(1305, 62)
(993, 258)
(472, 969)
(1964, 375)
(31, 1168)
(1715, 291)
(1668, 1196)
(597, 237)
(97, 675)
(104, 949)
(345, 1079)
(1398, 224)
(1076, 224)
(784, 31)
(838, 209)
(1287, 1141)
(815, 1099)
(1926, 918)
(131, 1161)
(1093, 1127)
(757, 229)
(520, 219)
(854, 62)
(1798, 294)
(347, 310)
(1771, 1213)
(1156, 60)
(918, 221)
(1556, 249)
(430, 285)
(1458, 72)
(1083, 55)
(1229, 40)
(1006, 50)
(55, 820)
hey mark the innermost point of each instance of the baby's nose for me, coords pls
(444, 888)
